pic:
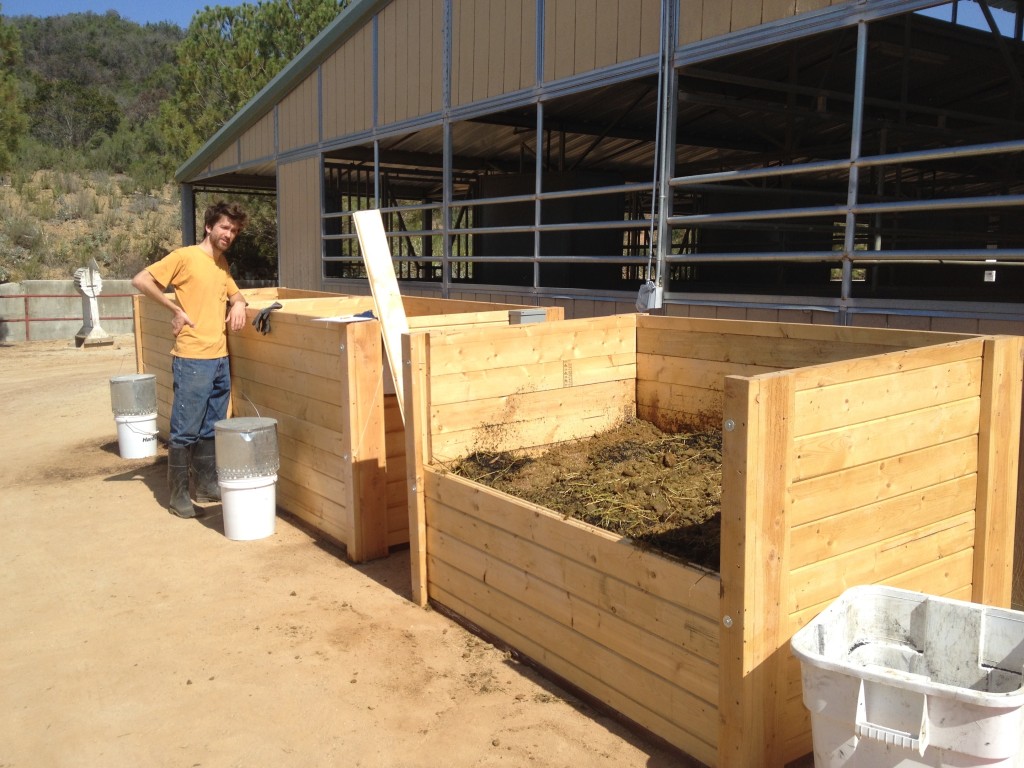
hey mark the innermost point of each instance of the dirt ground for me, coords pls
(662, 490)
(130, 637)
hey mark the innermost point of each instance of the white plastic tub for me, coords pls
(898, 678)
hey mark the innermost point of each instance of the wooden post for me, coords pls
(998, 456)
(415, 366)
(363, 431)
(140, 366)
(757, 443)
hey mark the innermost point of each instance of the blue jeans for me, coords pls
(201, 391)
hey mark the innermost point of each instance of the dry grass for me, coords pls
(52, 223)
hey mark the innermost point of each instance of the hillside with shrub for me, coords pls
(101, 111)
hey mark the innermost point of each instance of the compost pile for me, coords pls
(662, 490)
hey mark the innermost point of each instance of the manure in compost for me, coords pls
(662, 490)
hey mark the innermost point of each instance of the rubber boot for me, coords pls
(204, 471)
(177, 482)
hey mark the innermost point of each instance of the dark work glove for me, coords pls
(262, 320)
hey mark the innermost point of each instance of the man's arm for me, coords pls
(236, 311)
(146, 284)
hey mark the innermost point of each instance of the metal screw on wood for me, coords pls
(727, 621)
(730, 425)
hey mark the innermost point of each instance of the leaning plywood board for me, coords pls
(386, 298)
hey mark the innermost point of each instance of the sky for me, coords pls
(178, 12)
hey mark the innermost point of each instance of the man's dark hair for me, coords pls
(232, 211)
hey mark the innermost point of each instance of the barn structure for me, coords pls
(846, 162)
(852, 163)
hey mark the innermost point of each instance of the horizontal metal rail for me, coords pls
(27, 320)
(944, 153)
(905, 206)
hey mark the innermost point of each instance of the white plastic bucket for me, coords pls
(250, 507)
(136, 435)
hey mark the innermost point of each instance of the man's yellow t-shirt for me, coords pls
(202, 285)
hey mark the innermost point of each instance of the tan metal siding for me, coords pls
(348, 86)
(583, 35)
(298, 124)
(703, 19)
(226, 159)
(410, 59)
(494, 48)
(298, 195)
(258, 142)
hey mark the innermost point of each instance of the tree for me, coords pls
(13, 120)
(228, 55)
(69, 115)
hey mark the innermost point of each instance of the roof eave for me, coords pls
(348, 21)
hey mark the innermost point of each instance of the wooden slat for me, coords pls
(481, 349)
(313, 458)
(466, 386)
(684, 721)
(475, 318)
(328, 487)
(998, 456)
(747, 349)
(315, 360)
(946, 577)
(879, 397)
(883, 338)
(838, 449)
(890, 556)
(675, 408)
(283, 401)
(657, 655)
(567, 583)
(682, 585)
(859, 527)
(288, 379)
(387, 299)
(826, 495)
(318, 512)
(694, 372)
(316, 435)
(505, 423)
(888, 362)
(419, 306)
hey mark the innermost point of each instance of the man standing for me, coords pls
(204, 291)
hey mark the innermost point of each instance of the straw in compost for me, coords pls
(662, 490)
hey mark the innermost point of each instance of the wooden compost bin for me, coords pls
(850, 456)
(340, 433)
